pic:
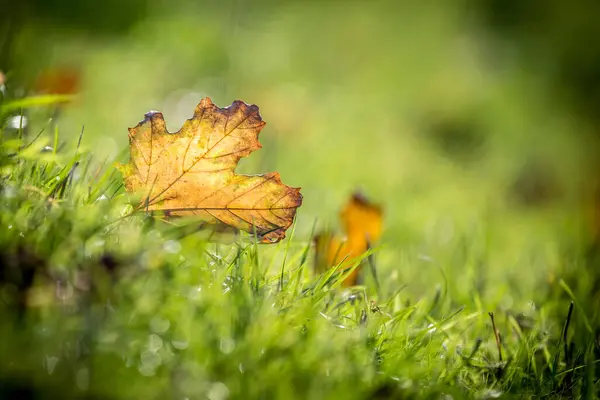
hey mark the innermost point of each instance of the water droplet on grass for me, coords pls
(155, 342)
(172, 246)
(16, 122)
(159, 324)
(150, 358)
(218, 391)
(146, 370)
(227, 345)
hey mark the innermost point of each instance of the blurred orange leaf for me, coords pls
(191, 172)
(362, 223)
(59, 80)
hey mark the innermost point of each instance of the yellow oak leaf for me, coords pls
(191, 172)
(362, 223)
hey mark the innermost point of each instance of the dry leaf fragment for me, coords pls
(362, 222)
(191, 172)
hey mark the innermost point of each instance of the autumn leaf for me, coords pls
(59, 80)
(191, 172)
(362, 223)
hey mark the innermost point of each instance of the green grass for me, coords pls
(99, 303)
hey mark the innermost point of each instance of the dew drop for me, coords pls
(227, 345)
(159, 324)
(155, 342)
(218, 391)
(146, 370)
(150, 358)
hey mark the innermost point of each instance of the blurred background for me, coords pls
(474, 124)
(462, 118)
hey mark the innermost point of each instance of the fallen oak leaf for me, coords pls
(362, 223)
(191, 172)
(362, 220)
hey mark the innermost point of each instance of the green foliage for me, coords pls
(98, 302)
